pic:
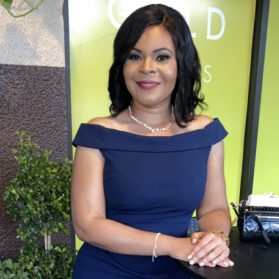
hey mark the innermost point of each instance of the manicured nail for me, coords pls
(192, 262)
(190, 257)
(231, 263)
(194, 240)
(201, 263)
(214, 262)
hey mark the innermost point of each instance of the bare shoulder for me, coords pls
(106, 121)
(199, 122)
(99, 120)
(202, 120)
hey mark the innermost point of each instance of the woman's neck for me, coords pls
(152, 116)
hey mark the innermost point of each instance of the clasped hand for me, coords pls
(209, 250)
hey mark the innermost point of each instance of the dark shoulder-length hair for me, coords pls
(186, 94)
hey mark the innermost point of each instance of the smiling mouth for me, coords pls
(147, 84)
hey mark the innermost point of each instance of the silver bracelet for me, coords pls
(155, 246)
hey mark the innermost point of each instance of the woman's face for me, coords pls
(150, 72)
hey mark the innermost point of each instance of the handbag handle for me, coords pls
(259, 223)
(234, 207)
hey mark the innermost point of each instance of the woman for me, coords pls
(140, 173)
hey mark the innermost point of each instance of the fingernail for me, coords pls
(226, 264)
(190, 257)
(214, 262)
(231, 263)
(194, 240)
(192, 262)
(201, 263)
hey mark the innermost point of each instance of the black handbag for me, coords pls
(257, 222)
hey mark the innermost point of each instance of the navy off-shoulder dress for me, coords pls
(152, 183)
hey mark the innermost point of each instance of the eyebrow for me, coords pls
(156, 50)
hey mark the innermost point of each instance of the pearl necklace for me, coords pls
(147, 126)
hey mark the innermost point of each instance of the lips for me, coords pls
(148, 84)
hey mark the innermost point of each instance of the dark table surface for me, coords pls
(256, 260)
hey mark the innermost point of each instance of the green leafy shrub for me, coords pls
(37, 263)
(14, 270)
(52, 264)
(38, 198)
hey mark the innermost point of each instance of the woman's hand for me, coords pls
(177, 247)
(209, 250)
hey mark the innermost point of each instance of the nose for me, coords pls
(147, 66)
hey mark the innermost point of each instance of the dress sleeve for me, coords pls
(88, 136)
(216, 132)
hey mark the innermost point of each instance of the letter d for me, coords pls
(217, 11)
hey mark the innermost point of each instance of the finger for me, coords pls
(210, 264)
(206, 263)
(203, 241)
(226, 263)
(213, 255)
(218, 255)
(195, 237)
(203, 247)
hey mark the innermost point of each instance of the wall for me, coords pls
(32, 95)
(266, 178)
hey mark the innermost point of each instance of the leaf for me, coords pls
(9, 263)
(6, 3)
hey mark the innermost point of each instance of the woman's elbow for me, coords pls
(87, 230)
(79, 231)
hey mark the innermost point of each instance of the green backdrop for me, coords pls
(266, 174)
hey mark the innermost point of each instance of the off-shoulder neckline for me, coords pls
(104, 138)
(113, 130)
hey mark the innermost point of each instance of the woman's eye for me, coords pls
(134, 57)
(162, 58)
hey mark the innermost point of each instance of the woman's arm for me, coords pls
(213, 214)
(89, 216)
